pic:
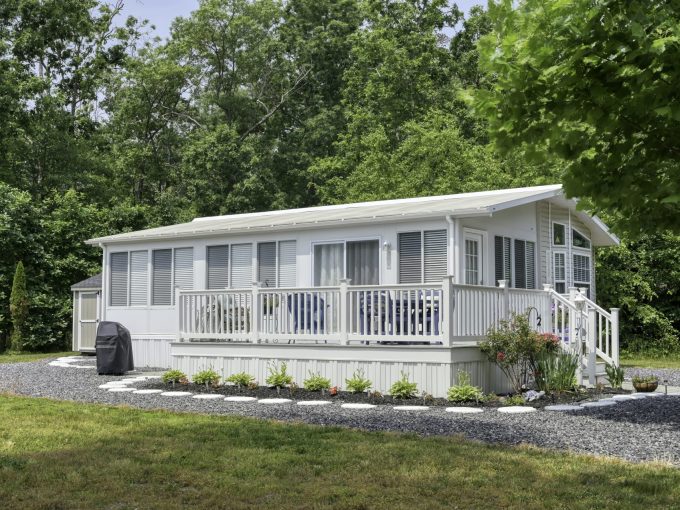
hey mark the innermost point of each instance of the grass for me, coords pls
(19, 357)
(69, 455)
(638, 360)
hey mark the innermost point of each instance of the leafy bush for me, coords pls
(403, 388)
(278, 377)
(207, 377)
(614, 375)
(315, 382)
(514, 400)
(464, 391)
(241, 379)
(358, 383)
(515, 348)
(556, 371)
(174, 377)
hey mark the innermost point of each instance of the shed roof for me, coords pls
(93, 282)
(459, 205)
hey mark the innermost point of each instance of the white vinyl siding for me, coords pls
(266, 264)
(119, 279)
(422, 256)
(241, 266)
(183, 269)
(218, 266)
(287, 264)
(139, 278)
(161, 277)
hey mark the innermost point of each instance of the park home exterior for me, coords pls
(399, 285)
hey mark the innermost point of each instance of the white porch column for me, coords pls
(344, 311)
(546, 314)
(615, 335)
(592, 345)
(255, 311)
(178, 313)
(448, 306)
(505, 302)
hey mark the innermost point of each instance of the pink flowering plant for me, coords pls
(516, 348)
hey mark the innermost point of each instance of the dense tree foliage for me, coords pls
(264, 104)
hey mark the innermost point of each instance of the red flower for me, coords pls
(333, 391)
(500, 356)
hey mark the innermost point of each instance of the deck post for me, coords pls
(615, 335)
(504, 285)
(547, 317)
(344, 311)
(592, 347)
(255, 310)
(448, 306)
(179, 310)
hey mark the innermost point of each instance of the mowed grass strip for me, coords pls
(632, 360)
(19, 357)
(68, 455)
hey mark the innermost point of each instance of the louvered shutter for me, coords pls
(410, 257)
(119, 279)
(139, 278)
(435, 255)
(218, 266)
(161, 277)
(530, 248)
(184, 269)
(266, 264)
(520, 265)
(498, 258)
(241, 266)
(287, 264)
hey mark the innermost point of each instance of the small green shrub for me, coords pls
(403, 388)
(278, 377)
(315, 382)
(637, 379)
(556, 371)
(241, 379)
(514, 400)
(464, 391)
(358, 383)
(614, 375)
(173, 377)
(207, 377)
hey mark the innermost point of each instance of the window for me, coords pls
(119, 279)
(184, 269)
(582, 271)
(363, 262)
(266, 264)
(328, 264)
(503, 256)
(559, 234)
(578, 240)
(139, 278)
(276, 264)
(218, 266)
(471, 262)
(560, 272)
(241, 266)
(525, 264)
(287, 264)
(422, 256)
(161, 277)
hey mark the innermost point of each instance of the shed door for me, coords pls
(88, 319)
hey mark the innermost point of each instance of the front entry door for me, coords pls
(473, 259)
(88, 319)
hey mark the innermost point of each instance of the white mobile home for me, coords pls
(386, 286)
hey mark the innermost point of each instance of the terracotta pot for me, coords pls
(646, 386)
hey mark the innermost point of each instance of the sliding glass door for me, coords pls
(359, 260)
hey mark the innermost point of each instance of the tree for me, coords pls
(593, 83)
(18, 307)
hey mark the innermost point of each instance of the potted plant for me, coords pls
(645, 384)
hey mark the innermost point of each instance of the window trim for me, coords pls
(344, 242)
(484, 238)
(590, 242)
(555, 281)
(590, 269)
(552, 234)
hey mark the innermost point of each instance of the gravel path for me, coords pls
(664, 374)
(640, 430)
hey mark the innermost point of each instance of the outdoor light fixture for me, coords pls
(580, 302)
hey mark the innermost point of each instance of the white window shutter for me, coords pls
(287, 264)
(161, 281)
(241, 266)
(139, 278)
(435, 255)
(266, 264)
(184, 269)
(218, 266)
(530, 250)
(119, 279)
(410, 257)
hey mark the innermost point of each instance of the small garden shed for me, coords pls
(86, 312)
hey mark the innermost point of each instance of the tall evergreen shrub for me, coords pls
(18, 307)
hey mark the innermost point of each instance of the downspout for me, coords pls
(102, 301)
(452, 262)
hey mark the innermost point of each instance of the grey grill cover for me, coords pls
(114, 349)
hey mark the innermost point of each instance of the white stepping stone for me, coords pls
(516, 409)
(83, 366)
(176, 394)
(357, 406)
(275, 401)
(314, 402)
(59, 364)
(114, 385)
(599, 403)
(146, 392)
(654, 394)
(608, 401)
(464, 410)
(410, 408)
(207, 396)
(120, 390)
(638, 396)
(563, 407)
(623, 398)
(240, 399)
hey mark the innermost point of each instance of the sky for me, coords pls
(160, 13)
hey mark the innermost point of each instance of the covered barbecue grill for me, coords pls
(114, 349)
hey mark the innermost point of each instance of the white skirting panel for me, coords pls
(435, 369)
(151, 351)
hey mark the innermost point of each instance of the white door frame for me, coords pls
(96, 320)
(481, 237)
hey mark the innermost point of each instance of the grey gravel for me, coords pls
(638, 430)
(666, 375)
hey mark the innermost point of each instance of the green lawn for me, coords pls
(13, 357)
(67, 455)
(631, 360)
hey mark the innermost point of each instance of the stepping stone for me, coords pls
(622, 398)
(599, 403)
(146, 392)
(638, 396)
(410, 408)
(607, 400)
(207, 396)
(654, 394)
(464, 410)
(314, 402)
(563, 407)
(240, 399)
(176, 394)
(83, 366)
(120, 390)
(275, 401)
(59, 364)
(516, 409)
(357, 406)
